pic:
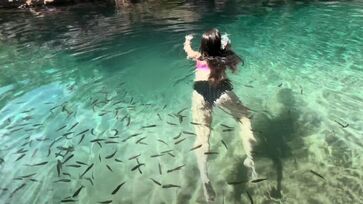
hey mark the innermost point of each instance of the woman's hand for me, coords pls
(189, 37)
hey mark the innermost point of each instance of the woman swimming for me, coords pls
(212, 88)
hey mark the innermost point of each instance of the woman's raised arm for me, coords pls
(191, 54)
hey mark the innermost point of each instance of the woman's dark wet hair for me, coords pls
(218, 59)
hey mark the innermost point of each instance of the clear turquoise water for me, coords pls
(104, 69)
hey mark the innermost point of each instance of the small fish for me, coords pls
(249, 86)
(93, 131)
(99, 157)
(194, 123)
(38, 164)
(196, 147)
(82, 163)
(134, 157)
(68, 158)
(105, 202)
(139, 140)
(170, 123)
(159, 116)
(68, 201)
(249, 197)
(73, 126)
(88, 168)
(67, 174)
(29, 175)
(97, 140)
(225, 145)
(82, 132)
(75, 194)
(280, 85)
(82, 137)
(170, 154)
(148, 126)
(117, 188)
(171, 186)
(317, 174)
(90, 180)
(128, 121)
(111, 155)
(156, 155)
(175, 169)
(178, 136)
(109, 168)
(62, 180)
(137, 166)
(189, 133)
(211, 153)
(73, 165)
(166, 151)
(160, 171)
(343, 126)
(179, 141)
(111, 142)
(131, 136)
(117, 160)
(227, 130)
(67, 133)
(17, 189)
(158, 183)
(20, 157)
(236, 182)
(301, 89)
(164, 107)
(258, 180)
(59, 167)
(162, 141)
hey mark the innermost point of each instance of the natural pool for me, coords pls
(97, 90)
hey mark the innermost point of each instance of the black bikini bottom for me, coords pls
(210, 92)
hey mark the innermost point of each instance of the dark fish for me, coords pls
(172, 155)
(97, 140)
(180, 117)
(148, 126)
(21, 156)
(170, 123)
(249, 197)
(196, 147)
(73, 126)
(162, 141)
(317, 174)
(109, 168)
(236, 182)
(343, 126)
(227, 130)
(99, 157)
(301, 90)
(117, 160)
(111, 142)
(59, 167)
(178, 136)
(67, 174)
(67, 133)
(82, 132)
(29, 175)
(179, 112)
(225, 145)
(116, 132)
(75, 194)
(280, 85)
(105, 202)
(159, 116)
(128, 121)
(38, 164)
(189, 133)
(88, 168)
(68, 158)
(34, 180)
(194, 123)
(134, 157)
(82, 163)
(139, 140)
(137, 166)
(160, 172)
(258, 180)
(73, 165)
(166, 151)
(131, 136)
(118, 188)
(247, 85)
(158, 183)
(93, 132)
(68, 201)
(164, 106)
(111, 155)
(211, 153)
(175, 169)
(82, 137)
(90, 180)
(62, 180)
(171, 186)
(156, 155)
(179, 141)
(99, 144)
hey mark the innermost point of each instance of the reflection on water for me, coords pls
(95, 103)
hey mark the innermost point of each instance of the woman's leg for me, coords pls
(230, 101)
(202, 114)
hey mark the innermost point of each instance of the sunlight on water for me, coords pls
(95, 104)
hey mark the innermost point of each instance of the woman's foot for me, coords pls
(209, 192)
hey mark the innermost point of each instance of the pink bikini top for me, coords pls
(202, 66)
